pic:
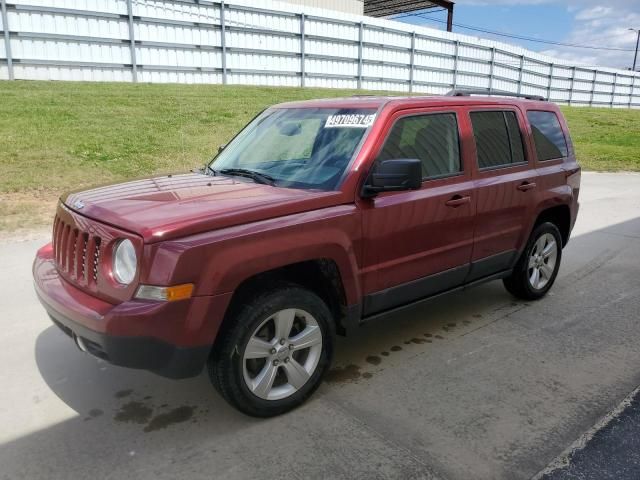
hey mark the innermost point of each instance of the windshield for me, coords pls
(297, 147)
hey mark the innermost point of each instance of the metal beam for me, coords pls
(302, 52)
(223, 44)
(520, 68)
(7, 38)
(360, 35)
(491, 65)
(132, 42)
(455, 64)
(412, 60)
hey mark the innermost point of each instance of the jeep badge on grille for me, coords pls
(78, 204)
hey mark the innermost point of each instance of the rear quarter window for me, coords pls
(548, 136)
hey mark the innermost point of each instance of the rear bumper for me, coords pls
(171, 339)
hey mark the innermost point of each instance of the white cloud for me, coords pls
(602, 27)
(595, 24)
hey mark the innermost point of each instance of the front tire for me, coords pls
(537, 268)
(274, 352)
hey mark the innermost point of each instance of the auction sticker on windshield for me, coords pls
(354, 120)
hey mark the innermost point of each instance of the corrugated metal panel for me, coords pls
(155, 56)
(66, 24)
(177, 34)
(88, 74)
(331, 30)
(182, 41)
(184, 12)
(426, 76)
(331, 48)
(263, 41)
(323, 66)
(331, 82)
(106, 6)
(169, 76)
(355, 7)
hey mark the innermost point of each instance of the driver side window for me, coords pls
(431, 138)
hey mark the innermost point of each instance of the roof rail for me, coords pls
(469, 92)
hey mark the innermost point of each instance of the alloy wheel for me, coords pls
(282, 354)
(542, 261)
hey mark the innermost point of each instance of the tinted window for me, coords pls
(547, 135)
(433, 139)
(498, 139)
(515, 138)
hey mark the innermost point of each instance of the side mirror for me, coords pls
(222, 147)
(393, 175)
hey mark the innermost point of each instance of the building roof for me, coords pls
(385, 8)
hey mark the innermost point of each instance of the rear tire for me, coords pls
(537, 268)
(274, 352)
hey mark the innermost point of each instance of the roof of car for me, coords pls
(374, 101)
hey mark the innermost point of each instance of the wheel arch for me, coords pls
(560, 216)
(320, 275)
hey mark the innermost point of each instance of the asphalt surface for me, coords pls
(610, 452)
(473, 385)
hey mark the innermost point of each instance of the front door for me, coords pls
(419, 242)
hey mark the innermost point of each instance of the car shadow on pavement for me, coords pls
(93, 387)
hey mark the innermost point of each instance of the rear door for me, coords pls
(419, 242)
(554, 156)
(505, 183)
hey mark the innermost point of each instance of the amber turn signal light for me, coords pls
(165, 294)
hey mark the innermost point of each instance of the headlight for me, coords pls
(124, 262)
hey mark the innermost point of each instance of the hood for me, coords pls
(173, 206)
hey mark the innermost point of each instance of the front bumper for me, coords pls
(171, 339)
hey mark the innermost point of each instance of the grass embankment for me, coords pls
(56, 136)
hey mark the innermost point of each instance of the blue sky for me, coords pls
(585, 22)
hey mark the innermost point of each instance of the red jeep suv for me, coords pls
(318, 216)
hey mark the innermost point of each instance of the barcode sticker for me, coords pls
(355, 120)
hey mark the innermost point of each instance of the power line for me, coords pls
(422, 13)
(521, 37)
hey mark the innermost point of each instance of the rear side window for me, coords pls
(498, 139)
(433, 139)
(547, 135)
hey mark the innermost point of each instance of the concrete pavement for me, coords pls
(472, 385)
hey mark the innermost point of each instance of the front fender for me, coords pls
(219, 261)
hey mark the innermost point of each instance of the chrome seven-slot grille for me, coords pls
(76, 252)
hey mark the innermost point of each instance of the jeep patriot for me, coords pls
(318, 216)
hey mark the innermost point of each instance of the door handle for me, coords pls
(524, 186)
(458, 200)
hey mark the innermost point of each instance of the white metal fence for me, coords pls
(200, 41)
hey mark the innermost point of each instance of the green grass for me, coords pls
(56, 136)
(606, 140)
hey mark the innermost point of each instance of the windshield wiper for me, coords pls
(252, 174)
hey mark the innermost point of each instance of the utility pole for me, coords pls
(635, 57)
